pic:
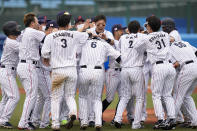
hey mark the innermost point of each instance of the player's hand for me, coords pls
(102, 36)
(46, 62)
(172, 39)
(176, 64)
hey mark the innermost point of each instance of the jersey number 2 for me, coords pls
(64, 43)
(130, 44)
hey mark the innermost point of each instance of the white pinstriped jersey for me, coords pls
(10, 53)
(157, 46)
(175, 34)
(29, 48)
(95, 51)
(182, 51)
(131, 57)
(61, 47)
(116, 46)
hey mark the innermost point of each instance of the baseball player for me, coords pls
(40, 116)
(131, 85)
(60, 47)
(168, 26)
(183, 55)
(9, 61)
(163, 72)
(106, 36)
(42, 20)
(113, 73)
(92, 78)
(28, 60)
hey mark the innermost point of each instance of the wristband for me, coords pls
(108, 40)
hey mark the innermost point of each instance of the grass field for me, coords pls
(17, 113)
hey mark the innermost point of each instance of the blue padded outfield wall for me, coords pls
(181, 25)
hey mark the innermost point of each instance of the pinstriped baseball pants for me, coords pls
(63, 85)
(163, 76)
(186, 83)
(132, 84)
(91, 85)
(10, 93)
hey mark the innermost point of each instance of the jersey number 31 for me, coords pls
(160, 44)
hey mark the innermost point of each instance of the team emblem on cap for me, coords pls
(66, 13)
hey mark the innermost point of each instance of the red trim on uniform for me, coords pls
(30, 91)
(10, 85)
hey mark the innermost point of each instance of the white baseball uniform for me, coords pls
(40, 116)
(175, 34)
(28, 59)
(113, 76)
(10, 92)
(131, 85)
(163, 73)
(92, 75)
(60, 47)
(108, 35)
(183, 53)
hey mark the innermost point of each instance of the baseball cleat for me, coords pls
(6, 125)
(84, 127)
(112, 123)
(169, 124)
(131, 121)
(98, 128)
(55, 128)
(69, 125)
(159, 124)
(117, 125)
(31, 125)
(91, 124)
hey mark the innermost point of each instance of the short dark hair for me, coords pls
(99, 17)
(28, 18)
(63, 20)
(154, 22)
(134, 26)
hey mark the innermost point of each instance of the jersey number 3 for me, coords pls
(159, 44)
(64, 43)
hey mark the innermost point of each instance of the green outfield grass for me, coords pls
(17, 113)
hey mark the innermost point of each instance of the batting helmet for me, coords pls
(11, 28)
(168, 25)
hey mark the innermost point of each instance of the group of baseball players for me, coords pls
(52, 61)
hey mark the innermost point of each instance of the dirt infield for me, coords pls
(109, 114)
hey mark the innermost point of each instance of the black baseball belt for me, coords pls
(95, 67)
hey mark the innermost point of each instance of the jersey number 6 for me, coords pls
(93, 44)
(64, 43)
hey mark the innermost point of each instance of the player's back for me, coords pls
(130, 56)
(157, 44)
(95, 51)
(10, 53)
(182, 51)
(29, 47)
(63, 46)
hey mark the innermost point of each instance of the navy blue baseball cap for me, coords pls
(79, 18)
(63, 13)
(42, 19)
(117, 27)
(51, 23)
